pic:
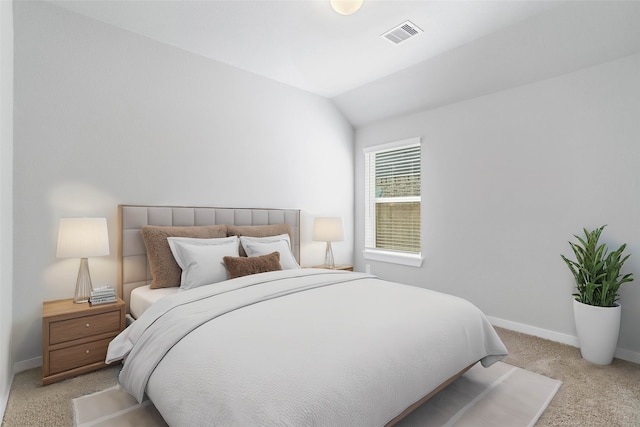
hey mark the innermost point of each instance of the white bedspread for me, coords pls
(299, 348)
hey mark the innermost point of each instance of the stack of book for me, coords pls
(103, 295)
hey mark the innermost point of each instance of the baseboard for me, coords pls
(535, 331)
(4, 399)
(24, 365)
(621, 353)
(20, 366)
(628, 355)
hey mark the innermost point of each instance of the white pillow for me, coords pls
(256, 246)
(201, 259)
(249, 239)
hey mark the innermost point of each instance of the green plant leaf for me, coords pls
(596, 271)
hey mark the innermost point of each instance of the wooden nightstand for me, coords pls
(337, 267)
(75, 337)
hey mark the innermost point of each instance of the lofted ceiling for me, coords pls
(305, 44)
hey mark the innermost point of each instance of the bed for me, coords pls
(292, 346)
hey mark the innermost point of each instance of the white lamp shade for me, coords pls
(346, 7)
(82, 238)
(328, 229)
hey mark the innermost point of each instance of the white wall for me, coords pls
(6, 202)
(105, 117)
(509, 178)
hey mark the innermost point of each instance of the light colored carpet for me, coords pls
(501, 395)
(32, 404)
(590, 396)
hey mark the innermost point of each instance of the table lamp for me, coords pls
(328, 229)
(83, 238)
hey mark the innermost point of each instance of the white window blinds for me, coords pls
(392, 197)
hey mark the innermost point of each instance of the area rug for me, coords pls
(501, 395)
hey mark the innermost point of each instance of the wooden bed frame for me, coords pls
(133, 267)
(420, 402)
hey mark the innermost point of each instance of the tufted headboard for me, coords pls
(133, 267)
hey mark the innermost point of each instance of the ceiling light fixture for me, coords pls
(346, 7)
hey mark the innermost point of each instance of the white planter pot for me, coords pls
(598, 329)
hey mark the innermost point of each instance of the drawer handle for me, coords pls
(88, 325)
(87, 351)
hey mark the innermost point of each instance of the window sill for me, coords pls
(412, 260)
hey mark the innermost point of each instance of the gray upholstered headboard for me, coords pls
(133, 268)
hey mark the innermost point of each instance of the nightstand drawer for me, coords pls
(86, 326)
(77, 355)
(75, 337)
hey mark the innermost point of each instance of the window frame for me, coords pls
(386, 255)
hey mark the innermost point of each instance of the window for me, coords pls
(392, 202)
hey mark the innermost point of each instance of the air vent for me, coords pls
(402, 32)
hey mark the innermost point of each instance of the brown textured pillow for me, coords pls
(244, 266)
(165, 272)
(258, 231)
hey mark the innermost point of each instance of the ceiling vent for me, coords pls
(402, 32)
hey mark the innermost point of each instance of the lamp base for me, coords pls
(83, 284)
(328, 257)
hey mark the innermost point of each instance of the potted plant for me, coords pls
(598, 277)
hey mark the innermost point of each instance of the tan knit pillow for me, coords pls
(244, 266)
(165, 272)
(258, 231)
